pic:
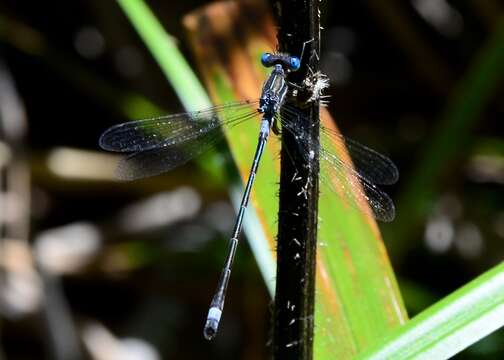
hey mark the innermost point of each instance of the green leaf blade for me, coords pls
(451, 325)
(164, 49)
(357, 298)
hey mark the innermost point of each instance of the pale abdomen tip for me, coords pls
(212, 323)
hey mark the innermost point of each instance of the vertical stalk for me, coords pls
(293, 317)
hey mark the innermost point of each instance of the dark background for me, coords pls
(396, 70)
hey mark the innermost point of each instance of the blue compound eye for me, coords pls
(295, 63)
(266, 60)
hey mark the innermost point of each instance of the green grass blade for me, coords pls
(357, 299)
(193, 97)
(451, 325)
(353, 265)
(165, 51)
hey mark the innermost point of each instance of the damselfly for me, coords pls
(163, 143)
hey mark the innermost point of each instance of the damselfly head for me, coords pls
(288, 63)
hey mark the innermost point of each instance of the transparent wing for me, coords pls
(372, 165)
(165, 131)
(164, 143)
(343, 179)
(159, 160)
(355, 181)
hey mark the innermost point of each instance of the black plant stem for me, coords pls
(293, 317)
